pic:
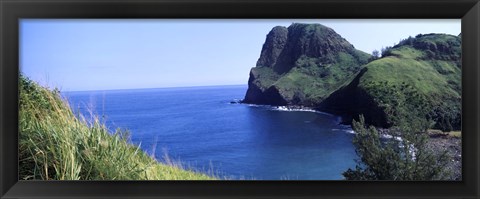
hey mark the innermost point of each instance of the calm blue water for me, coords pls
(199, 127)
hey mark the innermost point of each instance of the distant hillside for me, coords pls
(421, 73)
(302, 65)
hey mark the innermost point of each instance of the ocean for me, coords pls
(199, 127)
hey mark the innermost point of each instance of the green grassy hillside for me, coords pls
(418, 79)
(54, 144)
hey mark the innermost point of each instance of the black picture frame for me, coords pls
(13, 10)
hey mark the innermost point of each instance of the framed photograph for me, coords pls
(196, 99)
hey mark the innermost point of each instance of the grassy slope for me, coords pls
(419, 73)
(56, 145)
(437, 81)
(310, 80)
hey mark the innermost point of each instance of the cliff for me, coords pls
(302, 65)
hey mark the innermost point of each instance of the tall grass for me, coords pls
(54, 144)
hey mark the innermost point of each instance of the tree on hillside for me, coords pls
(375, 55)
(395, 158)
(386, 51)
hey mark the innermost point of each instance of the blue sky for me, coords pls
(76, 55)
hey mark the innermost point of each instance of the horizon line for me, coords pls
(145, 88)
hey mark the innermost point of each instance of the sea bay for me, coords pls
(199, 127)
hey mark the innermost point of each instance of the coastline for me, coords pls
(437, 142)
(289, 108)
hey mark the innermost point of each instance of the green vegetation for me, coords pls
(375, 55)
(417, 86)
(452, 134)
(405, 158)
(406, 79)
(412, 73)
(264, 76)
(54, 144)
(310, 80)
(457, 134)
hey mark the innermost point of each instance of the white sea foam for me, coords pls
(388, 136)
(412, 148)
(286, 108)
(292, 109)
(351, 131)
(257, 105)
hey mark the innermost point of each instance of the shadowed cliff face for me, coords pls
(314, 41)
(301, 65)
(273, 46)
(351, 101)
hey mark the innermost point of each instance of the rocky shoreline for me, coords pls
(284, 108)
(438, 142)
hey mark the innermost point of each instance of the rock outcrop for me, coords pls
(301, 65)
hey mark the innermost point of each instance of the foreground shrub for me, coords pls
(395, 158)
